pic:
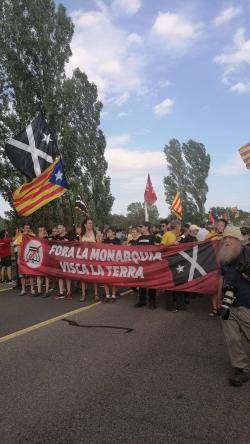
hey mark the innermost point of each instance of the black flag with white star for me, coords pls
(33, 149)
(192, 263)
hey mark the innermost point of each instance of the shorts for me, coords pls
(6, 261)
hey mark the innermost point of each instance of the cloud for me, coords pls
(121, 159)
(110, 55)
(232, 167)
(129, 168)
(235, 58)
(122, 114)
(227, 15)
(135, 39)
(174, 31)
(120, 100)
(118, 140)
(241, 87)
(164, 107)
(130, 7)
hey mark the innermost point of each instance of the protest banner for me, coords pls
(191, 267)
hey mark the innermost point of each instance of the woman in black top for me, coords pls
(111, 239)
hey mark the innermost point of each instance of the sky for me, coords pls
(167, 70)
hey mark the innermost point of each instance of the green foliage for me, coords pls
(197, 167)
(136, 214)
(34, 47)
(188, 166)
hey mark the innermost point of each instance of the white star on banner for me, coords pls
(59, 175)
(46, 138)
(180, 268)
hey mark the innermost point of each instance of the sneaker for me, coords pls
(22, 293)
(82, 298)
(239, 377)
(113, 297)
(38, 295)
(59, 296)
(45, 295)
(69, 296)
(139, 304)
(32, 292)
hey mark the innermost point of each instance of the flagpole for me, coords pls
(68, 193)
(146, 211)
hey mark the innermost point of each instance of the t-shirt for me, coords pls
(63, 237)
(146, 239)
(234, 278)
(168, 238)
(114, 241)
(202, 234)
(187, 239)
(5, 249)
(88, 238)
(133, 242)
(213, 235)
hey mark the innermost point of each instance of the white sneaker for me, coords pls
(22, 293)
(108, 296)
(113, 297)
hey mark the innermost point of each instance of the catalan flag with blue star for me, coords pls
(50, 185)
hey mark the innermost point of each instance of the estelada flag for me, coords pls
(245, 154)
(149, 195)
(176, 206)
(50, 185)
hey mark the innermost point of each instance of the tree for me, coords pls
(34, 47)
(177, 180)
(136, 214)
(87, 163)
(197, 167)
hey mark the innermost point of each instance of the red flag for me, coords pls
(149, 195)
(211, 217)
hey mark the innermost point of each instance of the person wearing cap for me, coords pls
(191, 235)
(235, 275)
(216, 234)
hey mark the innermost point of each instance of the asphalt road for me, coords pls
(159, 378)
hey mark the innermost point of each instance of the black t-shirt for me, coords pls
(133, 242)
(114, 241)
(64, 237)
(146, 239)
(234, 278)
(188, 238)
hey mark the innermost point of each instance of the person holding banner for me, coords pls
(145, 239)
(111, 239)
(63, 236)
(42, 234)
(88, 234)
(18, 243)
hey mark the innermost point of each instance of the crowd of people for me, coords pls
(232, 301)
(168, 232)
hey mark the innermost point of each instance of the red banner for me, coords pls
(187, 267)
